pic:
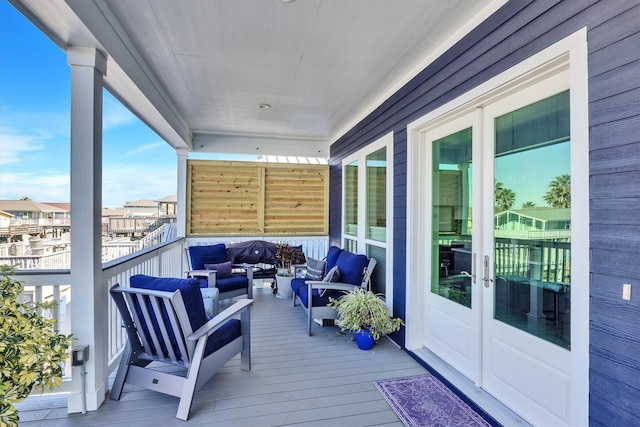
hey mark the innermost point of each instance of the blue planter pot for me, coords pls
(364, 340)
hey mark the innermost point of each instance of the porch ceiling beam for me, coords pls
(147, 98)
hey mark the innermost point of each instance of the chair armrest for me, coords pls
(336, 286)
(201, 273)
(243, 265)
(214, 324)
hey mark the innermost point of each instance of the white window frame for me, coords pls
(361, 157)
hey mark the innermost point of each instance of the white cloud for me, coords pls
(115, 115)
(14, 145)
(45, 186)
(124, 183)
(145, 147)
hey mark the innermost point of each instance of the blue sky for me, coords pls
(34, 127)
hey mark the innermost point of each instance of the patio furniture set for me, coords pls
(177, 321)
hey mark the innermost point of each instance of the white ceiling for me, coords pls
(200, 68)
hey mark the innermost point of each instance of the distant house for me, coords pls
(30, 212)
(168, 205)
(534, 223)
(5, 219)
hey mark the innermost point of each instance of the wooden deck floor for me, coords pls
(296, 380)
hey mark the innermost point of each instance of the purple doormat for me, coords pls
(425, 401)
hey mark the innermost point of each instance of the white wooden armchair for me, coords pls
(170, 327)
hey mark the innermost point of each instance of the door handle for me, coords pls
(473, 270)
(486, 279)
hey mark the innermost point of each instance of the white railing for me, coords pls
(163, 260)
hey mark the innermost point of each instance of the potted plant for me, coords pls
(287, 256)
(31, 351)
(365, 313)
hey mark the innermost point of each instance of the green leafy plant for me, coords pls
(360, 309)
(31, 351)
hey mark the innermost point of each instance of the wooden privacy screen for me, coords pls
(256, 198)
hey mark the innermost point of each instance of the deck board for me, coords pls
(295, 380)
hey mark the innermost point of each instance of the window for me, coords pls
(367, 204)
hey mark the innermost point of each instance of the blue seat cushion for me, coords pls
(223, 336)
(332, 257)
(232, 283)
(318, 299)
(351, 267)
(298, 283)
(207, 254)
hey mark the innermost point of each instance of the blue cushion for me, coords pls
(223, 269)
(318, 299)
(298, 283)
(189, 288)
(223, 336)
(332, 257)
(232, 283)
(351, 267)
(209, 254)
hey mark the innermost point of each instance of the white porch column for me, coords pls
(182, 192)
(89, 297)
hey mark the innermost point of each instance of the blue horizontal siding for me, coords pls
(512, 34)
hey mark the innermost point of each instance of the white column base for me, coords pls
(94, 400)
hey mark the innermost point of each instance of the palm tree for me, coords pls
(26, 198)
(528, 205)
(559, 194)
(505, 198)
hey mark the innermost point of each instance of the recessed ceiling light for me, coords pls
(264, 106)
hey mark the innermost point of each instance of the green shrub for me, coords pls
(31, 351)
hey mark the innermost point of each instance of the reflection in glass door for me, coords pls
(532, 221)
(452, 208)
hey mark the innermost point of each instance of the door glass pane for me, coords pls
(452, 195)
(532, 219)
(351, 199)
(376, 218)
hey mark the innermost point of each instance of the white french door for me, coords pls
(497, 297)
(526, 250)
(452, 294)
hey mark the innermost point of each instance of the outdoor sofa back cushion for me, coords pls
(332, 257)
(189, 288)
(207, 254)
(194, 304)
(351, 267)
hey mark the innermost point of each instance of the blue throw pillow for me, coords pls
(222, 269)
(189, 289)
(207, 254)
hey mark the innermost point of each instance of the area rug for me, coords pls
(425, 401)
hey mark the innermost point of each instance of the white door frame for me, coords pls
(568, 54)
